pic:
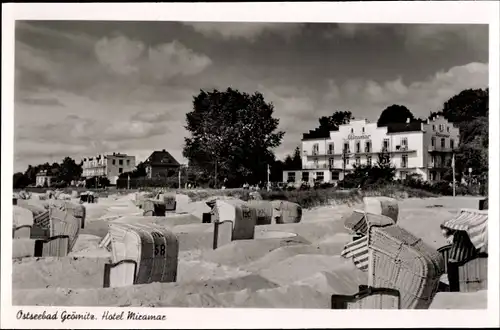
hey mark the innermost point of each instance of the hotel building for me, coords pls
(414, 147)
(109, 166)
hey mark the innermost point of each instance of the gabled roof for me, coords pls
(161, 158)
(404, 127)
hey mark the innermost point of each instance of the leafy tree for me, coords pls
(294, 162)
(20, 180)
(138, 172)
(69, 170)
(395, 114)
(468, 105)
(232, 135)
(332, 123)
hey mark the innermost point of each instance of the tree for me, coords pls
(138, 172)
(468, 105)
(69, 170)
(332, 123)
(395, 114)
(20, 180)
(232, 135)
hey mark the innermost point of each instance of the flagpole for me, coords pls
(453, 166)
(268, 172)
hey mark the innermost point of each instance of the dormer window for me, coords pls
(448, 129)
(433, 127)
(363, 129)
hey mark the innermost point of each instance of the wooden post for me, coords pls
(453, 167)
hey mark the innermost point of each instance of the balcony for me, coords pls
(316, 167)
(441, 149)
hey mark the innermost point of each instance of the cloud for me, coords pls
(369, 98)
(243, 30)
(152, 117)
(41, 101)
(124, 56)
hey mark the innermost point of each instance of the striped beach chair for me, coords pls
(359, 223)
(467, 257)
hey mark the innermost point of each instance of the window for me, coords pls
(120, 170)
(315, 148)
(347, 161)
(404, 143)
(443, 161)
(114, 161)
(352, 130)
(443, 142)
(368, 146)
(335, 175)
(433, 127)
(448, 129)
(358, 161)
(330, 148)
(385, 145)
(346, 147)
(433, 161)
(452, 144)
(331, 161)
(358, 147)
(291, 176)
(369, 160)
(363, 130)
(120, 162)
(316, 165)
(441, 127)
(404, 161)
(433, 141)
(320, 176)
(305, 176)
(128, 162)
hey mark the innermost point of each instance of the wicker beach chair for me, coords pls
(401, 261)
(63, 222)
(359, 222)
(154, 249)
(288, 212)
(397, 260)
(119, 274)
(368, 298)
(242, 218)
(264, 211)
(467, 257)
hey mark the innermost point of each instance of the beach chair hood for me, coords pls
(474, 223)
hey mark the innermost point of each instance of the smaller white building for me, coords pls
(44, 178)
(414, 147)
(109, 166)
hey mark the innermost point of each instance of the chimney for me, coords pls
(163, 150)
(407, 120)
(422, 126)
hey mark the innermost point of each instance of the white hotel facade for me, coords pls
(109, 166)
(423, 148)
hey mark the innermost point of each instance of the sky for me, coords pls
(88, 87)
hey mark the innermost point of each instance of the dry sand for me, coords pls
(285, 266)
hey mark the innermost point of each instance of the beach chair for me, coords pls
(233, 220)
(154, 250)
(55, 246)
(397, 260)
(288, 212)
(467, 257)
(264, 210)
(368, 298)
(22, 222)
(63, 222)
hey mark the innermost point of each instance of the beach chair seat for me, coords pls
(264, 210)
(368, 298)
(119, 274)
